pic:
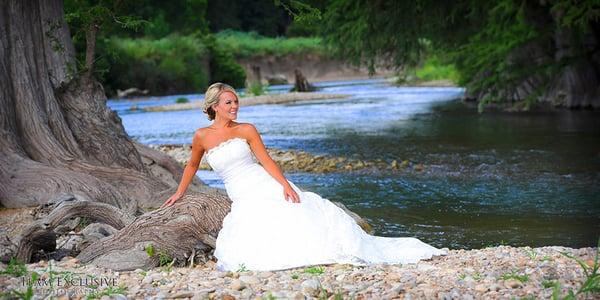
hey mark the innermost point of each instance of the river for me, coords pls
(494, 178)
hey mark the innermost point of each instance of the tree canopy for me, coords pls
(497, 46)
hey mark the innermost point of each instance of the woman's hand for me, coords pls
(288, 192)
(171, 200)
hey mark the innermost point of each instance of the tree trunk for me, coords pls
(57, 133)
(575, 85)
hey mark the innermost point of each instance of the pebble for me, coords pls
(513, 284)
(237, 285)
(462, 274)
(249, 279)
(311, 286)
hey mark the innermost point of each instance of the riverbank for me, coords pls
(501, 272)
(301, 161)
(253, 100)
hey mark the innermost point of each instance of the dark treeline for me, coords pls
(515, 52)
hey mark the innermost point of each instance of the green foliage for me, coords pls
(83, 223)
(157, 27)
(108, 291)
(315, 270)
(25, 295)
(549, 283)
(149, 250)
(514, 275)
(495, 46)
(173, 64)
(269, 296)
(247, 15)
(15, 268)
(591, 285)
(256, 89)
(241, 268)
(476, 276)
(164, 259)
(435, 69)
(223, 67)
(182, 100)
(248, 44)
(303, 13)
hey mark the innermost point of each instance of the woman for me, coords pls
(273, 225)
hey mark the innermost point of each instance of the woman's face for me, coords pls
(228, 106)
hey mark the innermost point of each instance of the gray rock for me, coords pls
(237, 285)
(513, 284)
(182, 294)
(311, 286)
(249, 279)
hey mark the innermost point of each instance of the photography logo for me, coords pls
(74, 284)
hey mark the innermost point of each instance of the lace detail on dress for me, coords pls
(223, 144)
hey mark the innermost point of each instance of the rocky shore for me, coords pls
(253, 100)
(501, 272)
(301, 161)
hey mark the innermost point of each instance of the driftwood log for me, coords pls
(301, 84)
(186, 229)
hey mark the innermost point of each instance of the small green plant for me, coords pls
(591, 285)
(83, 223)
(532, 254)
(15, 268)
(149, 250)
(241, 268)
(546, 258)
(67, 275)
(109, 291)
(514, 275)
(549, 283)
(256, 89)
(165, 261)
(315, 270)
(323, 294)
(295, 276)
(338, 296)
(269, 296)
(476, 276)
(182, 100)
(27, 294)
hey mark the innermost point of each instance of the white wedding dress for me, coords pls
(263, 231)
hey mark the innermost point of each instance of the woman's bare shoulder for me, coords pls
(246, 126)
(200, 134)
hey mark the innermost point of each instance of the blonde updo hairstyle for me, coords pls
(211, 97)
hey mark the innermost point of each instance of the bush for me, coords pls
(247, 44)
(170, 65)
(223, 67)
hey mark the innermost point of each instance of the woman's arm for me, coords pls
(190, 170)
(258, 147)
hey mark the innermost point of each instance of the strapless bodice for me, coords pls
(239, 169)
(230, 158)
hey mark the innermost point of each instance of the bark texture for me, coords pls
(573, 81)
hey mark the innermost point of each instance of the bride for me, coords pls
(273, 225)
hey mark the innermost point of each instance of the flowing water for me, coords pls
(488, 179)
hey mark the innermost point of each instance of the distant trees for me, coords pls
(519, 51)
